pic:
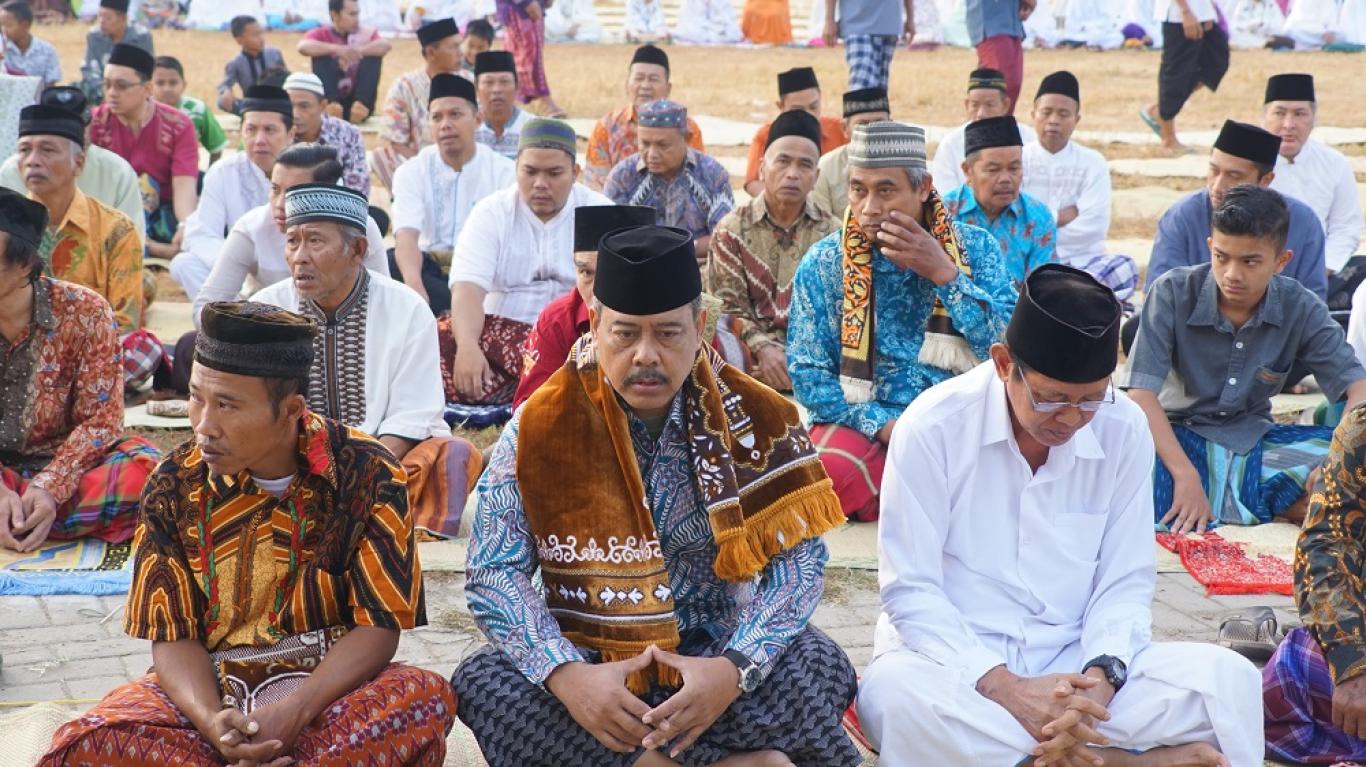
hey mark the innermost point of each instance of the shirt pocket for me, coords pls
(1266, 383)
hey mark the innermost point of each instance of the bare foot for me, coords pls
(333, 109)
(1191, 755)
(756, 759)
(358, 113)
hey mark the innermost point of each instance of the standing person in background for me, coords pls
(997, 31)
(871, 29)
(524, 26)
(25, 54)
(1194, 54)
(111, 28)
(168, 86)
(347, 58)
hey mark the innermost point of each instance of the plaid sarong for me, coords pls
(1248, 489)
(1118, 273)
(106, 501)
(1297, 695)
(142, 355)
(869, 58)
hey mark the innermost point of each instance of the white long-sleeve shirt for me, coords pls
(521, 262)
(232, 187)
(947, 170)
(1322, 178)
(1078, 176)
(435, 200)
(984, 563)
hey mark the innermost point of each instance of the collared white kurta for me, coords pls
(402, 363)
(233, 186)
(947, 169)
(985, 563)
(522, 262)
(1322, 178)
(1078, 176)
(435, 200)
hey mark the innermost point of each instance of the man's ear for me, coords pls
(1000, 357)
(1284, 259)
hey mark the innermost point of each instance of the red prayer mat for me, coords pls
(1222, 566)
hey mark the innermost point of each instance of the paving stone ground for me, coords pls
(74, 648)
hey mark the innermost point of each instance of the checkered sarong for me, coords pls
(1118, 273)
(142, 354)
(870, 60)
(1297, 694)
(105, 504)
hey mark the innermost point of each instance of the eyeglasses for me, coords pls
(1049, 408)
(119, 86)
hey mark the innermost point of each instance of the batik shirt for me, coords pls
(61, 389)
(506, 143)
(357, 558)
(696, 199)
(614, 139)
(751, 265)
(979, 306)
(1025, 230)
(346, 139)
(760, 617)
(97, 246)
(405, 110)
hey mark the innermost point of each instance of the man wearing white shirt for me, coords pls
(433, 194)
(514, 255)
(1312, 24)
(1016, 598)
(1074, 182)
(1195, 54)
(235, 185)
(986, 98)
(1315, 174)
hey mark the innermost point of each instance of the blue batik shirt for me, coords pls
(759, 617)
(696, 199)
(979, 306)
(1025, 230)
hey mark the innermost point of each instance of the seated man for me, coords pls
(236, 185)
(252, 66)
(112, 28)
(514, 256)
(991, 198)
(868, 105)
(563, 320)
(376, 368)
(404, 129)
(105, 176)
(312, 125)
(614, 135)
(1242, 154)
(898, 299)
(157, 140)
(572, 21)
(1074, 182)
(1312, 24)
(26, 55)
(1017, 568)
(1312, 172)
(757, 247)
(688, 189)
(91, 244)
(798, 89)
(693, 635)
(495, 79)
(347, 58)
(986, 98)
(1230, 331)
(274, 567)
(434, 192)
(168, 87)
(64, 471)
(1313, 684)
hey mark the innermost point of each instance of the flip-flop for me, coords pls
(1253, 633)
(1150, 122)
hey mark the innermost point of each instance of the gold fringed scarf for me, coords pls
(943, 346)
(605, 579)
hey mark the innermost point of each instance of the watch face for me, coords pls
(749, 679)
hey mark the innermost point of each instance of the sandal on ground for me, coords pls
(1149, 121)
(1253, 633)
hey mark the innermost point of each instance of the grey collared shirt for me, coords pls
(98, 46)
(1217, 380)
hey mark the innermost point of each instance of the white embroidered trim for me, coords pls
(617, 552)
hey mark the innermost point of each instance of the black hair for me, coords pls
(170, 62)
(24, 255)
(280, 389)
(239, 24)
(19, 10)
(322, 160)
(335, 6)
(481, 29)
(1253, 211)
(1262, 169)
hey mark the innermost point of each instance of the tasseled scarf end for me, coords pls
(807, 513)
(950, 352)
(856, 390)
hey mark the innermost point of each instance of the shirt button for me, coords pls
(1232, 382)
(1238, 345)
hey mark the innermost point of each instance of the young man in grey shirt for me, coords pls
(1215, 343)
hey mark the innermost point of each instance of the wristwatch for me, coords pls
(1116, 673)
(749, 670)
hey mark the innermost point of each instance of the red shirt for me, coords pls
(561, 323)
(166, 147)
(362, 37)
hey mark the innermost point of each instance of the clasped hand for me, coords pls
(1060, 711)
(263, 739)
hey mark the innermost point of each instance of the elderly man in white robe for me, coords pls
(236, 184)
(1310, 171)
(1074, 182)
(1016, 623)
(435, 191)
(1312, 24)
(375, 363)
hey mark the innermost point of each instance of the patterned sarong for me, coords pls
(855, 465)
(441, 473)
(526, 43)
(501, 342)
(398, 719)
(1297, 693)
(1248, 489)
(797, 710)
(106, 501)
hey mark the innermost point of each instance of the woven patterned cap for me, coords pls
(545, 133)
(663, 114)
(888, 144)
(324, 202)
